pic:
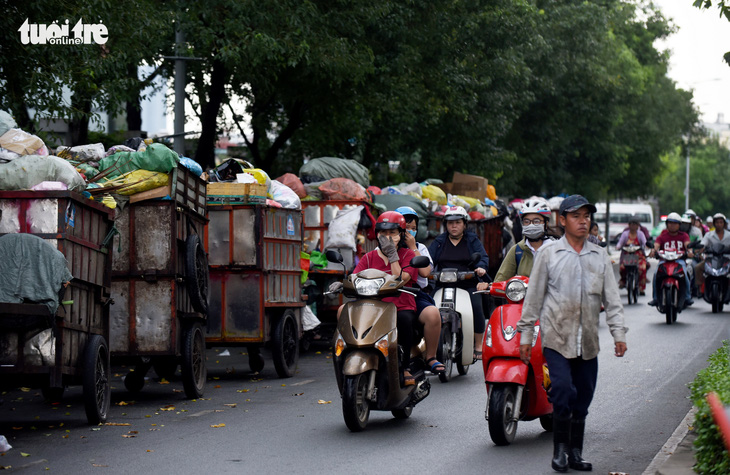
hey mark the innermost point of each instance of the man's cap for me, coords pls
(574, 203)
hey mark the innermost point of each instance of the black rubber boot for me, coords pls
(561, 440)
(575, 453)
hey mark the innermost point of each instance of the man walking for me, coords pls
(570, 280)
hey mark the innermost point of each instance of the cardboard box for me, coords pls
(184, 187)
(469, 185)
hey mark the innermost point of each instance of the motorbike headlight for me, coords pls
(516, 290)
(447, 276)
(488, 338)
(368, 287)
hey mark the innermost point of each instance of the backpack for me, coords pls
(518, 256)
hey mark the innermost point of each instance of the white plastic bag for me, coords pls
(309, 319)
(284, 195)
(342, 231)
(5, 445)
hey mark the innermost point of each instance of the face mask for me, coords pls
(412, 232)
(533, 231)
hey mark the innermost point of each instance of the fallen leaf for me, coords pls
(241, 390)
(117, 424)
(297, 394)
(17, 428)
(216, 377)
(177, 390)
(169, 407)
(322, 401)
(82, 437)
(122, 403)
(283, 385)
(65, 436)
(164, 381)
(5, 467)
(230, 405)
(217, 386)
(24, 454)
(98, 465)
(133, 432)
(127, 436)
(25, 390)
(148, 450)
(219, 410)
(98, 428)
(217, 426)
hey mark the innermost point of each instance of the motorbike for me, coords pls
(672, 286)
(515, 391)
(367, 357)
(630, 261)
(717, 270)
(456, 343)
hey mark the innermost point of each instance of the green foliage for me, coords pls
(724, 7)
(709, 176)
(711, 455)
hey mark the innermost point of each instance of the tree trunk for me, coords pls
(134, 104)
(295, 116)
(205, 153)
(79, 124)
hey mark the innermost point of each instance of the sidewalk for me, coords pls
(676, 457)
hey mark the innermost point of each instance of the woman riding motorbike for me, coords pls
(633, 236)
(428, 314)
(392, 257)
(453, 249)
(720, 235)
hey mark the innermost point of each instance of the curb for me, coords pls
(676, 455)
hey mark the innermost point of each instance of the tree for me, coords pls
(723, 6)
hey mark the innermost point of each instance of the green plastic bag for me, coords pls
(156, 158)
(317, 259)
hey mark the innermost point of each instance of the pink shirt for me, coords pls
(372, 260)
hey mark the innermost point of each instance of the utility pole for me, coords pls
(686, 182)
(179, 130)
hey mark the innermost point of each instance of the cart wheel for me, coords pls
(196, 273)
(194, 371)
(286, 345)
(95, 379)
(255, 360)
(165, 367)
(52, 394)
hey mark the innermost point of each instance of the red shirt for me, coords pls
(372, 260)
(676, 243)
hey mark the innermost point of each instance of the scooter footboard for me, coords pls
(506, 370)
(358, 362)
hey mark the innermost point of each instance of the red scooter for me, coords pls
(672, 285)
(515, 391)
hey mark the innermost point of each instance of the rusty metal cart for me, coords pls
(160, 286)
(255, 281)
(76, 336)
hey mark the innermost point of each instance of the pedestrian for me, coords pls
(571, 279)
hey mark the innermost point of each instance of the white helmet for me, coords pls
(536, 205)
(691, 213)
(719, 216)
(456, 212)
(674, 217)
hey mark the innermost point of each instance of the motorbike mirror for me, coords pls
(420, 262)
(603, 243)
(334, 256)
(475, 258)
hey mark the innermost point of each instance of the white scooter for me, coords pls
(456, 344)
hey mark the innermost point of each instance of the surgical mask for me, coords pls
(412, 232)
(533, 231)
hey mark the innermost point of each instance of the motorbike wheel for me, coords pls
(445, 353)
(502, 401)
(404, 413)
(630, 281)
(668, 306)
(355, 408)
(546, 422)
(462, 369)
(715, 298)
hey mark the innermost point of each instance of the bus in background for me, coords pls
(620, 214)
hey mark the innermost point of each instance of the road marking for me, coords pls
(671, 445)
(302, 383)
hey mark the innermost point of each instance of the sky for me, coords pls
(697, 51)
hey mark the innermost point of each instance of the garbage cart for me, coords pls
(160, 285)
(52, 350)
(255, 281)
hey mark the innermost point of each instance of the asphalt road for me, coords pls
(250, 423)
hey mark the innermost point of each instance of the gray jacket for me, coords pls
(565, 292)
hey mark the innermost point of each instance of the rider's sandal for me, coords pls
(477, 356)
(434, 367)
